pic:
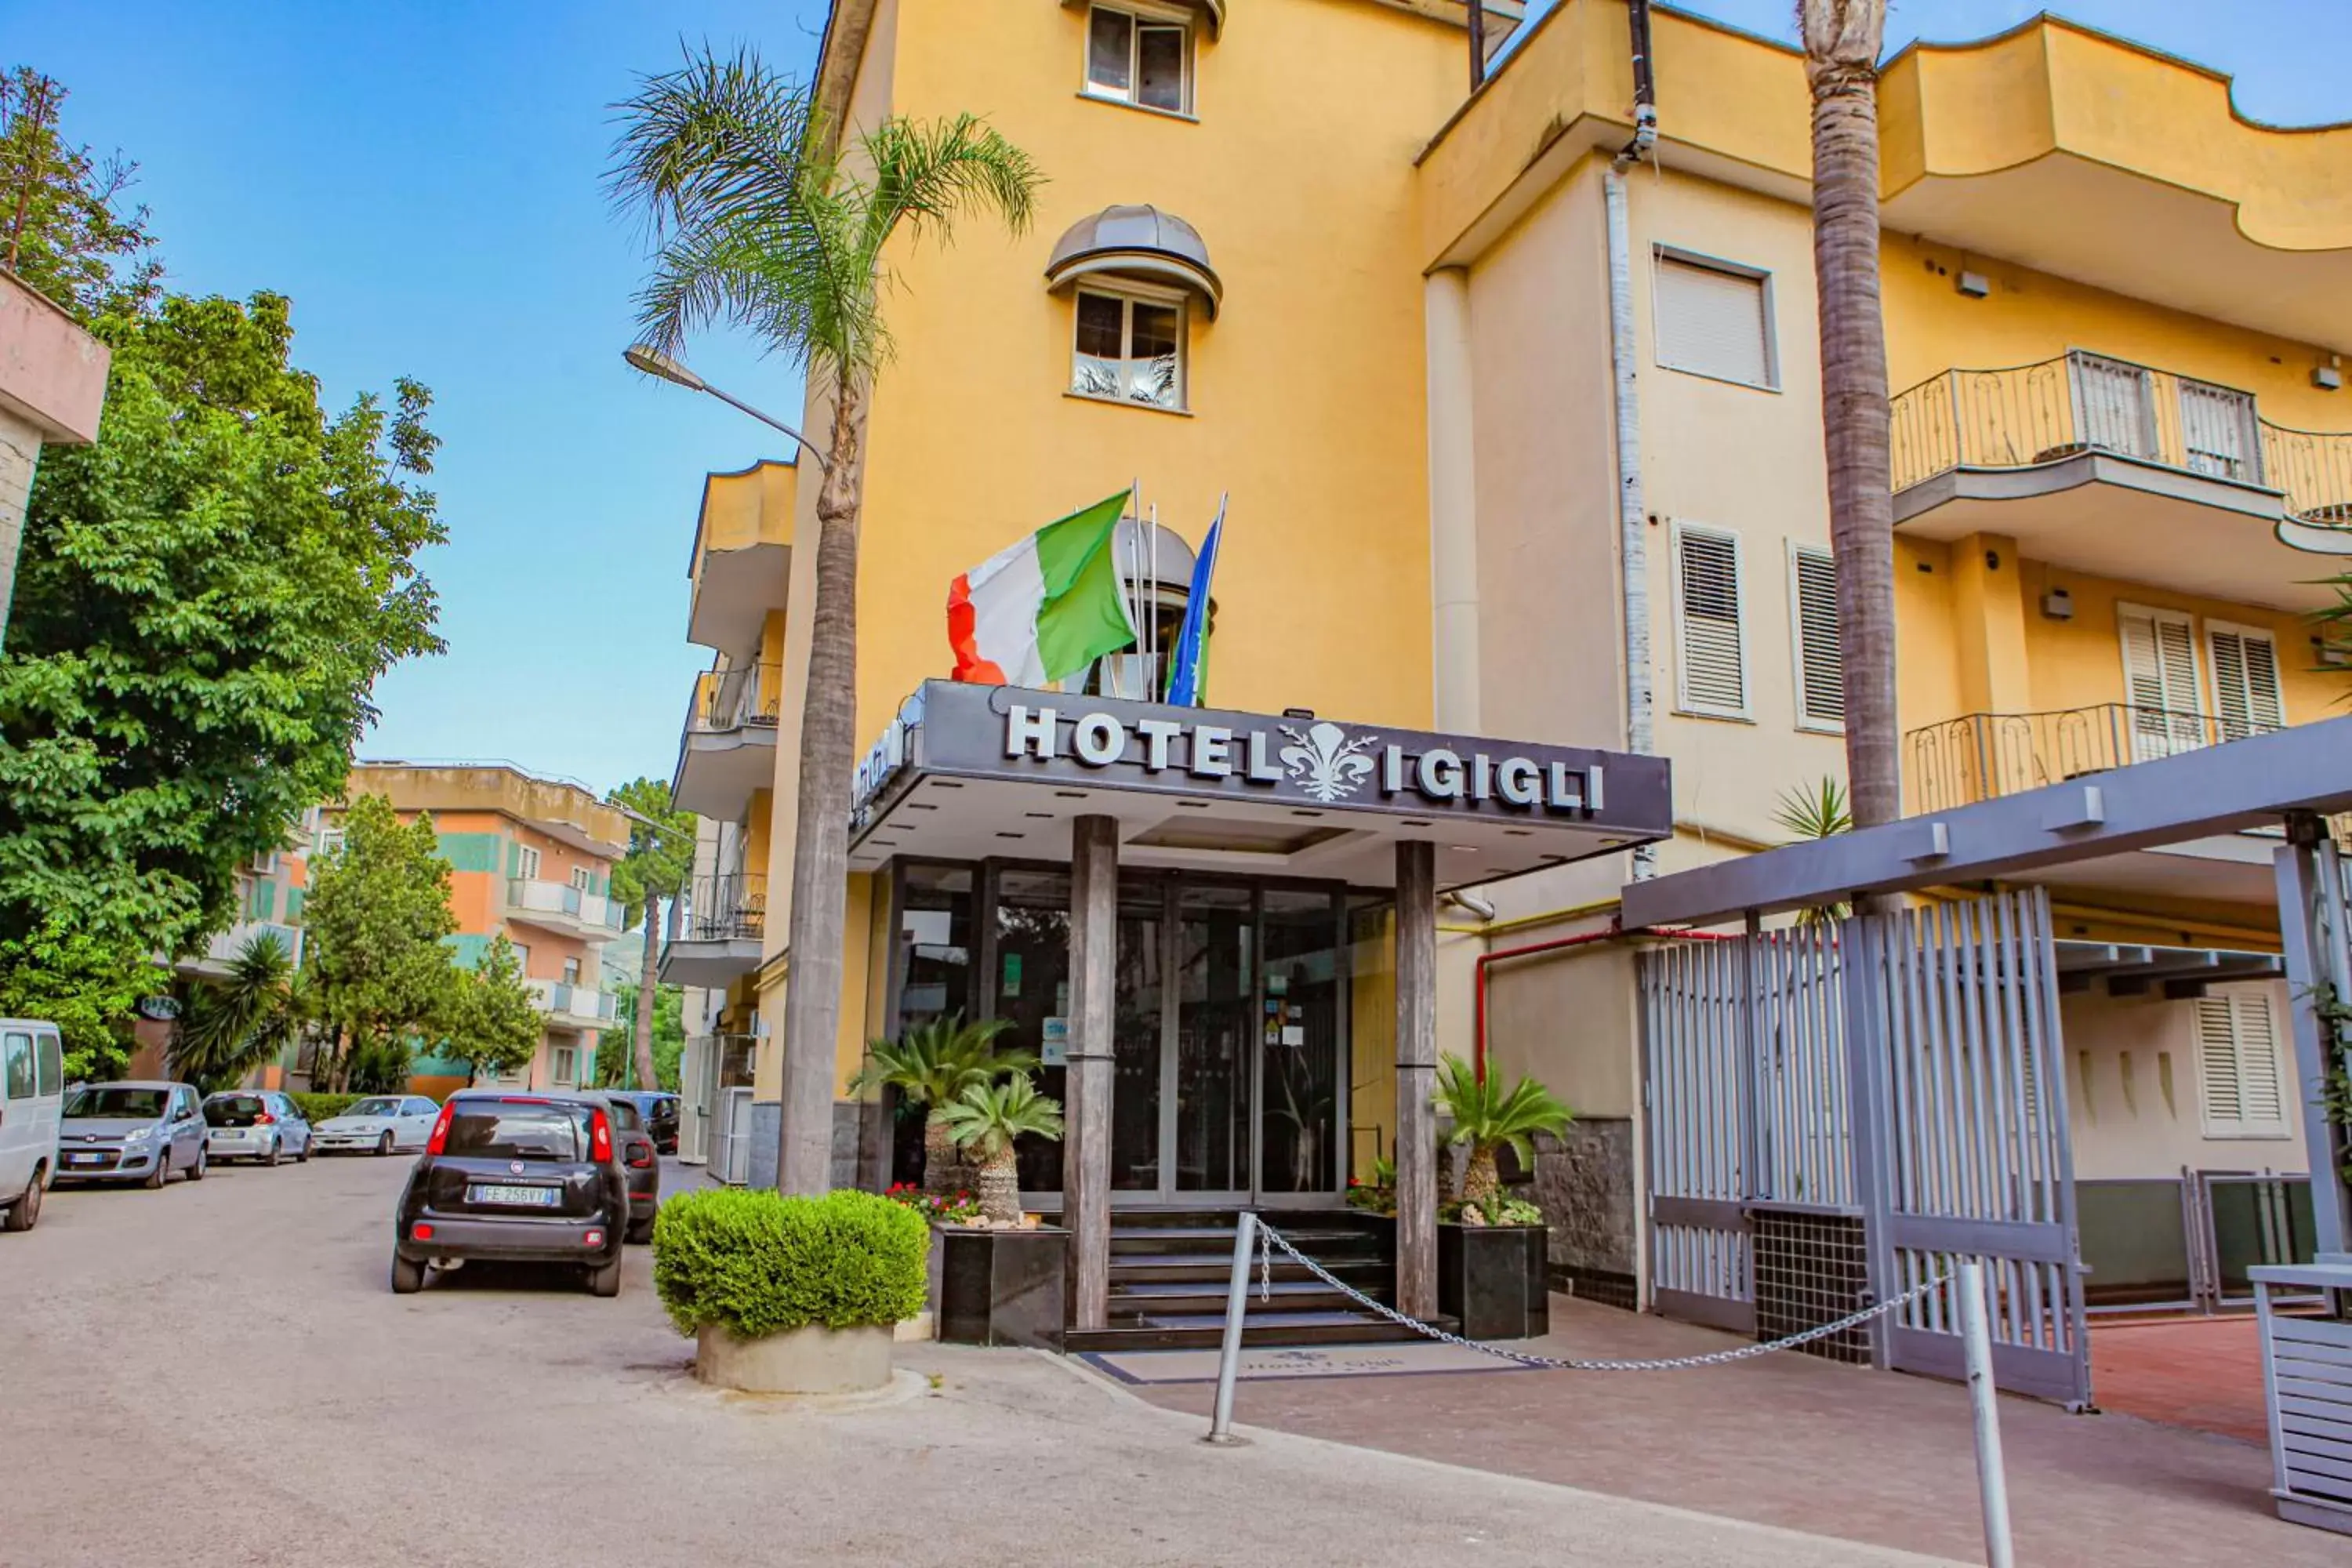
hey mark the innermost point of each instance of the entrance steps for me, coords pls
(1170, 1270)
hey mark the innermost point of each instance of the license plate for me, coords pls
(85, 1159)
(519, 1197)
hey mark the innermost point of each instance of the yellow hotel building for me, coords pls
(1522, 435)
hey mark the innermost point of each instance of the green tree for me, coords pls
(208, 593)
(65, 227)
(616, 1056)
(227, 1031)
(379, 972)
(767, 222)
(1486, 1116)
(494, 1025)
(83, 982)
(1843, 38)
(659, 862)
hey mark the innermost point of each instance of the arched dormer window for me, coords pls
(1138, 277)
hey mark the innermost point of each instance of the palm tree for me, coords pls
(1816, 811)
(1485, 1117)
(229, 1029)
(766, 222)
(1843, 38)
(932, 1064)
(985, 1119)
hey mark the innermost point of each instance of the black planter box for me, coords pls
(1491, 1276)
(1001, 1287)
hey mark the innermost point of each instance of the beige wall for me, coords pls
(2125, 1124)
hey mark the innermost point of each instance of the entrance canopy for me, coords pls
(969, 773)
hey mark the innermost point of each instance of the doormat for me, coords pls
(1304, 1361)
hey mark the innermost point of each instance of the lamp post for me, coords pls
(653, 361)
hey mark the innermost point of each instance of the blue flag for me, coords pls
(1188, 681)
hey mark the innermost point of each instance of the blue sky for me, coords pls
(423, 180)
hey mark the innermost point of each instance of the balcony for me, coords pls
(1986, 755)
(742, 555)
(730, 745)
(221, 950)
(561, 907)
(570, 1007)
(720, 933)
(2119, 471)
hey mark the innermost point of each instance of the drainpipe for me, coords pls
(1632, 516)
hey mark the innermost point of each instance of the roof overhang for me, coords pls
(967, 773)
(2174, 974)
(1211, 12)
(708, 965)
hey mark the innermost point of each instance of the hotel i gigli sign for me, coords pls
(993, 731)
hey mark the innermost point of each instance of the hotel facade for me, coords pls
(1516, 398)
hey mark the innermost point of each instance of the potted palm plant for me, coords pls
(1001, 1280)
(932, 1064)
(1491, 1248)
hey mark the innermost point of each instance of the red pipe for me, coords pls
(1585, 938)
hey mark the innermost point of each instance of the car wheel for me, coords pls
(640, 1233)
(407, 1278)
(383, 1145)
(606, 1282)
(276, 1152)
(304, 1157)
(163, 1171)
(25, 1212)
(196, 1170)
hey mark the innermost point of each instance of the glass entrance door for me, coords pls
(1208, 1123)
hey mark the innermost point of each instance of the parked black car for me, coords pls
(659, 1108)
(520, 1177)
(638, 1159)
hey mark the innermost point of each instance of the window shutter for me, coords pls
(2245, 681)
(2160, 675)
(2238, 1067)
(1707, 624)
(1713, 321)
(1821, 658)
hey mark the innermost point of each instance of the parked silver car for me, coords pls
(255, 1124)
(379, 1124)
(139, 1131)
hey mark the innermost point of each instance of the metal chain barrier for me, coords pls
(1665, 1363)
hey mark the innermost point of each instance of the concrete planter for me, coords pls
(1491, 1276)
(1001, 1287)
(799, 1360)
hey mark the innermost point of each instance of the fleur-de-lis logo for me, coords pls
(1325, 762)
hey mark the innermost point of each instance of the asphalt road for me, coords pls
(217, 1374)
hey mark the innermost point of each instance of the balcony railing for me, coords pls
(564, 901)
(2035, 414)
(1985, 755)
(569, 1001)
(227, 946)
(728, 907)
(729, 700)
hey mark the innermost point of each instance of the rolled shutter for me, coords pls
(1708, 634)
(1821, 659)
(2238, 1067)
(1714, 322)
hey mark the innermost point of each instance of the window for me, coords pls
(572, 971)
(582, 878)
(330, 843)
(17, 1075)
(1140, 58)
(526, 862)
(565, 1060)
(2238, 1067)
(1821, 659)
(52, 1061)
(2219, 430)
(1709, 642)
(264, 865)
(522, 956)
(2159, 681)
(1715, 319)
(2246, 680)
(1130, 349)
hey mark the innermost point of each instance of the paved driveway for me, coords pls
(217, 1374)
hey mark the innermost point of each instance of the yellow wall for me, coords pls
(2123, 1122)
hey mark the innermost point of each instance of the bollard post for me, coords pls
(1229, 1360)
(1992, 1479)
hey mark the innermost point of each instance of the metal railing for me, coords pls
(571, 1001)
(534, 896)
(2025, 416)
(750, 697)
(1984, 755)
(727, 908)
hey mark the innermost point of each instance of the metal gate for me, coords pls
(1836, 1113)
(1956, 1047)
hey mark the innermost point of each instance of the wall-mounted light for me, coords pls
(1975, 285)
(2058, 604)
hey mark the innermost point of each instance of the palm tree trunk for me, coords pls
(821, 839)
(1000, 1189)
(942, 1164)
(648, 983)
(1843, 38)
(1482, 1180)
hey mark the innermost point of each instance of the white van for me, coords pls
(32, 1088)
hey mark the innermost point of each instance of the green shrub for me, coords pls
(761, 1263)
(317, 1107)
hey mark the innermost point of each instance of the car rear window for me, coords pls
(113, 1101)
(626, 1117)
(501, 1130)
(234, 1109)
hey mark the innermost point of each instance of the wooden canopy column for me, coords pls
(1085, 1153)
(1416, 1067)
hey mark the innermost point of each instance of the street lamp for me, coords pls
(650, 360)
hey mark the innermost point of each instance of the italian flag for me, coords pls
(1045, 609)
